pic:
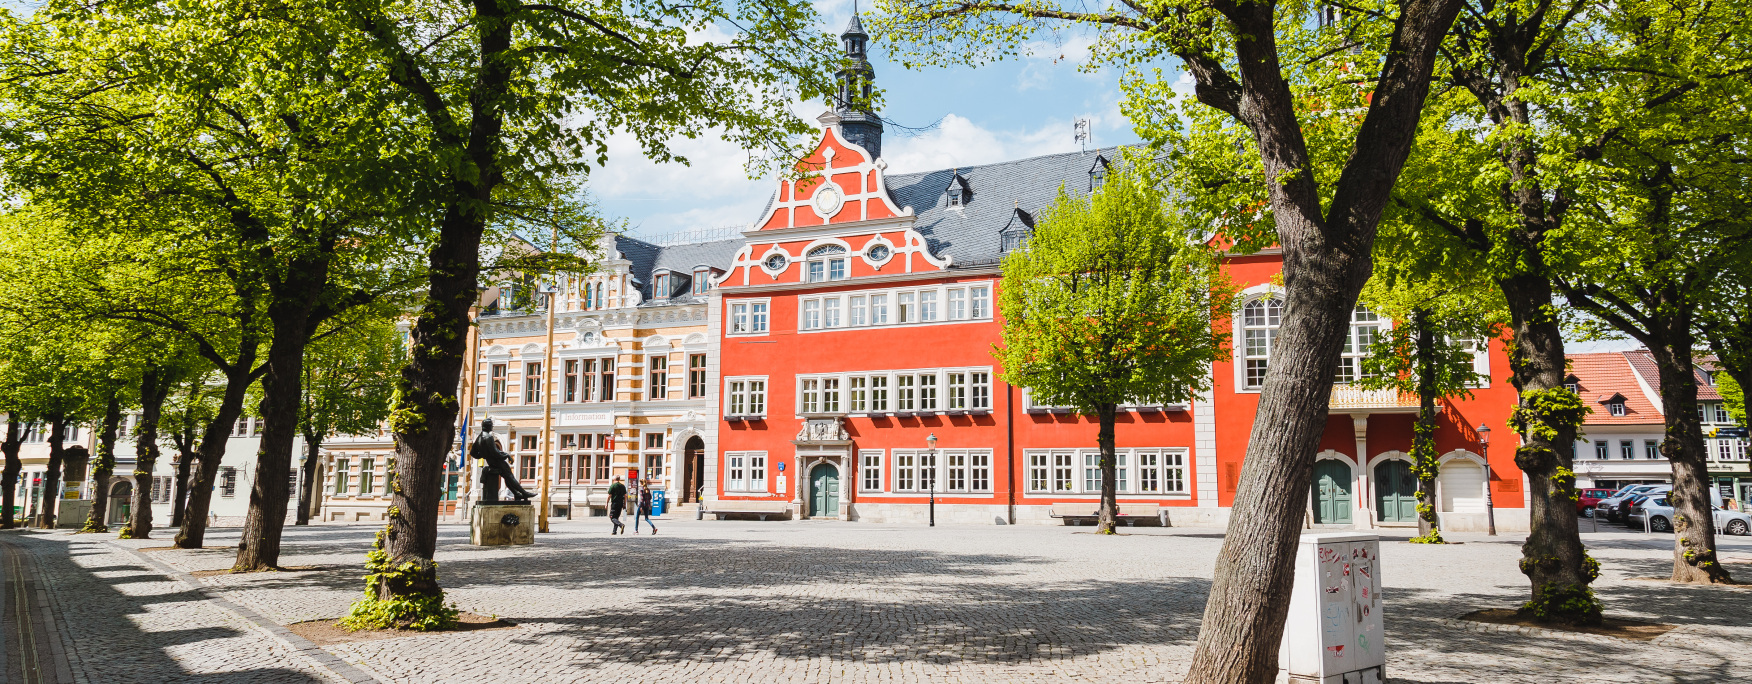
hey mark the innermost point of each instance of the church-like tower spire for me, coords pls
(858, 125)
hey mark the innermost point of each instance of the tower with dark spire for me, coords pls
(858, 125)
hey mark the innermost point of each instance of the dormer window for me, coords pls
(1615, 408)
(660, 286)
(827, 262)
(702, 279)
(1098, 172)
(1021, 225)
(1573, 384)
(960, 193)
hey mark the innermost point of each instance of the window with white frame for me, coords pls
(748, 318)
(927, 306)
(1092, 471)
(905, 395)
(872, 469)
(1259, 326)
(1037, 471)
(980, 390)
(927, 391)
(906, 470)
(980, 297)
(878, 309)
(745, 397)
(955, 470)
(735, 471)
(1061, 470)
(830, 312)
(957, 301)
(1721, 413)
(878, 393)
(856, 310)
(928, 476)
(811, 314)
(980, 470)
(1600, 450)
(809, 396)
(496, 385)
(1651, 449)
(605, 380)
(659, 378)
(905, 311)
(827, 262)
(1365, 327)
(531, 384)
(660, 285)
(830, 395)
(1615, 408)
(857, 394)
(757, 471)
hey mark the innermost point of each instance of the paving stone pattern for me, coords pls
(818, 601)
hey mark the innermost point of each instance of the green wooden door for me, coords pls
(824, 490)
(1332, 496)
(1395, 492)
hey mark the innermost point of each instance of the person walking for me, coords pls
(617, 502)
(644, 510)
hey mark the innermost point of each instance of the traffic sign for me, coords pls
(1731, 433)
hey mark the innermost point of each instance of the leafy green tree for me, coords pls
(1321, 108)
(193, 402)
(509, 100)
(1659, 212)
(349, 380)
(273, 151)
(1111, 301)
(1733, 398)
(1430, 352)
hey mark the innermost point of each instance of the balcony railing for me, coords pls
(1353, 397)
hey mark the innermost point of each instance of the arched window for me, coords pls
(827, 262)
(589, 301)
(1259, 324)
(1365, 326)
(600, 302)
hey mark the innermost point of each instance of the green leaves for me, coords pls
(1112, 299)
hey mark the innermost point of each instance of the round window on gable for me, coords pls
(877, 253)
(776, 262)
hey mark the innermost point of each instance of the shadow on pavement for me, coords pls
(106, 645)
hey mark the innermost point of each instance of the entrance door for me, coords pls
(824, 490)
(1395, 492)
(1332, 496)
(693, 469)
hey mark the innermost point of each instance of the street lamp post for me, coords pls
(931, 443)
(1489, 502)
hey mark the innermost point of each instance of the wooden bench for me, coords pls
(723, 510)
(1129, 515)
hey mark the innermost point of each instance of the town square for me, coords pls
(902, 340)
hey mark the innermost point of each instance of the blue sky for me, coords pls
(1008, 110)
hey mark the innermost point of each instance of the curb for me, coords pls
(323, 658)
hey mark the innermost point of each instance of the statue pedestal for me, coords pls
(501, 524)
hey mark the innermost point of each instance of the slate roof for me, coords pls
(679, 259)
(1599, 376)
(971, 233)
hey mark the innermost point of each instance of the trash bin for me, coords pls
(659, 502)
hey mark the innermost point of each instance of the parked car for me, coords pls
(1659, 511)
(1586, 500)
(1615, 507)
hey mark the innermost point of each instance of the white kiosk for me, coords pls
(1334, 634)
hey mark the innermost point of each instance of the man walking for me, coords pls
(644, 510)
(617, 502)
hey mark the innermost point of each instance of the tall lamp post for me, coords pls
(931, 443)
(1489, 502)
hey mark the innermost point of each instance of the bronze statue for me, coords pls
(498, 467)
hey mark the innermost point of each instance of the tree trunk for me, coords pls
(282, 393)
(104, 465)
(1108, 519)
(1423, 441)
(209, 455)
(52, 477)
(1326, 261)
(424, 421)
(154, 388)
(1694, 544)
(308, 498)
(9, 476)
(1552, 558)
(180, 497)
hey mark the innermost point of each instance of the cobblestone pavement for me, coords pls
(818, 601)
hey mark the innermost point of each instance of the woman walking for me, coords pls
(644, 510)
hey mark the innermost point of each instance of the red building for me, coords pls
(857, 324)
